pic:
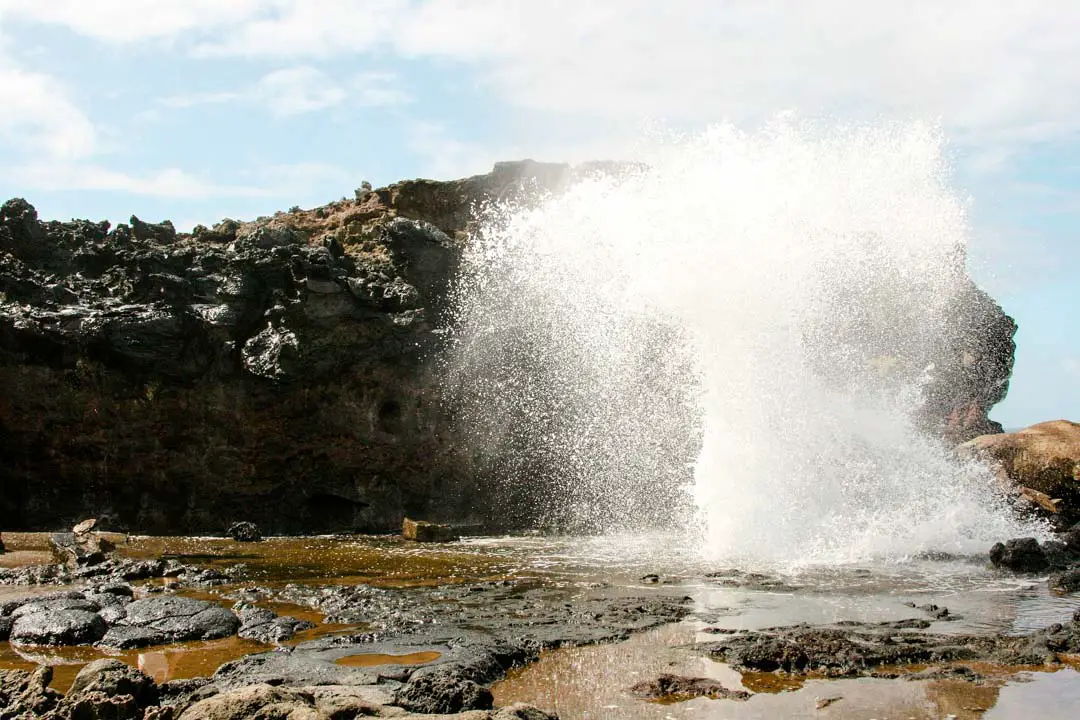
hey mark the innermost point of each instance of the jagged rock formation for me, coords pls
(279, 371)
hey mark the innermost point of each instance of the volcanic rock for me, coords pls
(265, 626)
(59, 626)
(180, 618)
(1020, 554)
(244, 532)
(681, 687)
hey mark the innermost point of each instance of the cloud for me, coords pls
(171, 182)
(304, 89)
(38, 116)
(272, 181)
(312, 28)
(998, 75)
(134, 21)
(293, 91)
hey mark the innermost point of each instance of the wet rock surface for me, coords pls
(679, 687)
(860, 649)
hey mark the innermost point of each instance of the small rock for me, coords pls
(244, 532)
(423, 531)
(825, 702)
(84, 527)
(652, 579)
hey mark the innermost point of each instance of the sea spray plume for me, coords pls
(763, 308)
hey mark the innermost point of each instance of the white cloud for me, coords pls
(135, 21)
(38, 116)
(377, 89)
(312, 28)
(272, 181)
(293, 91)
(171, 182)
(1000, 76)
(304, 89)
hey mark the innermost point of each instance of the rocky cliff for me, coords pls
(281, 370)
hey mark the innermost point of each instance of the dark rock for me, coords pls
(244, 532)
(162, 232)
(1019, 554)
(267, 627)
(679, 687)
(6, 622)
(56, 603)
(181, 618)
(123, 637)
(858, 649)
(958, 672)
(58, 627)
(2, 548)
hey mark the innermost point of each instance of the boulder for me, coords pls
(58, 627)
(423, 531)
(1044, 459)
(1020, 554)
(178, 619)
(244, 532)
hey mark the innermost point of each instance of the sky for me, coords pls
(195, 110)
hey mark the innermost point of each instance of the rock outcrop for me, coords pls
(281, 370)
(1041, 462)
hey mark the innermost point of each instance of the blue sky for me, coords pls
(196, 110)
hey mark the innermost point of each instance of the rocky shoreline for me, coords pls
(436, 650)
